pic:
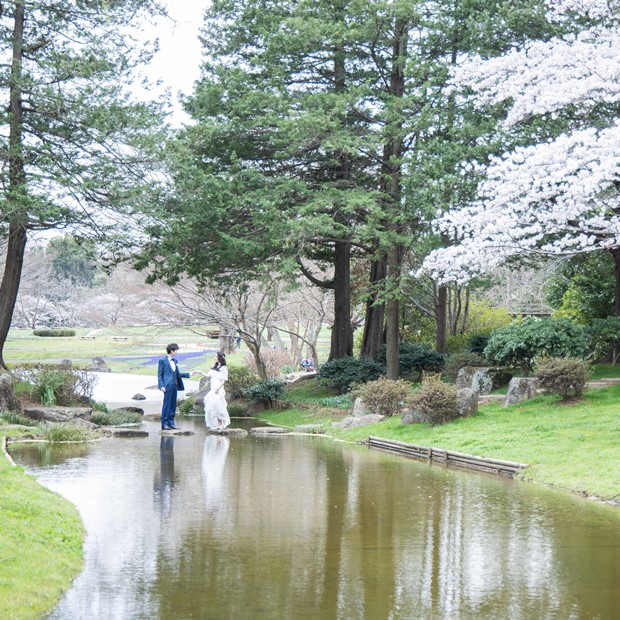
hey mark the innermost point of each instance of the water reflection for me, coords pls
(213, 464)
(294, 527)
(164, 479)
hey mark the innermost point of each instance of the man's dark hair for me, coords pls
(173, 346)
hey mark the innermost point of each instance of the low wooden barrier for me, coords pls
(449, 457)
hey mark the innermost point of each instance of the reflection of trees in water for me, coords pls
(308, 528)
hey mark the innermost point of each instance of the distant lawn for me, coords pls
(573, 447)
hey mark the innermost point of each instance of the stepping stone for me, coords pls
(269, 430)
(119, 431)
(178, 431)
(227, 431)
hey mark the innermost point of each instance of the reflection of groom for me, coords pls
(169, 381)
(163, 483)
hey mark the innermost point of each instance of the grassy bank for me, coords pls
(40, 544)
(573, 447)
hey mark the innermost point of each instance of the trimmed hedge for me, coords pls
(53, 332)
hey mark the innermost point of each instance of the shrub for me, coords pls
(54, 385)
(520, 344)
(566, 377)
(456, 361)
(415, 357)
(273, 359)
(10, 417)
(239, 378)
(343, 372)
(186, 406)
(435, 402)
(605, 338)
(239, 410)
(336, 402)
(383, 396)
(477, 343)
(115, 418)
(61, 433)
(53, 332)
(269, 391)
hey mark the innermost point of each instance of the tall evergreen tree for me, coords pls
(74, 147)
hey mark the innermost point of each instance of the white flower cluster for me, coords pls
(557, 197)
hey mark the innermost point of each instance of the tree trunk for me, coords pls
(391, 172)
(16, 246)
(616, 254)
(374, 333)
(342, 333)
(441, 318)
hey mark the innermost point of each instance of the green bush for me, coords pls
(10, 417)
(415, 357)
(521, 344)
(343, 372)
(239, 409)
(269, 391)
(435, 402)
(115, 418)
(566, 377)
(186, 406)
(343, 401)
(456, 361)
(54, 385)
(53, 332)
(605, 338)
(383, 396)
(477, 343)
(239, 378)
(69, 433)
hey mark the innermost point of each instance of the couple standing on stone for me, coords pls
(170, 382)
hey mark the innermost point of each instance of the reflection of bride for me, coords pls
(216, 410)
(213, 462)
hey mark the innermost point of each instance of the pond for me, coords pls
(304, 527)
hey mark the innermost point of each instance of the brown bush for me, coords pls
(564, 376)
(383, 396)
(435, 402)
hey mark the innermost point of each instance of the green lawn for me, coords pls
(40, 545)
(573, 447)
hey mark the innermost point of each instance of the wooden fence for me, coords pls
(493, 466)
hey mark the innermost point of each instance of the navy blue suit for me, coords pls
(173, 382)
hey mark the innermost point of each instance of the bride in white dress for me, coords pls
(216, 410)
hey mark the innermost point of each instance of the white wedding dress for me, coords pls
(216, 411)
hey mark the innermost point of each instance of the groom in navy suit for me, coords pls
(170, 381)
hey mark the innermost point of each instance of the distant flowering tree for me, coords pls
(562, 195)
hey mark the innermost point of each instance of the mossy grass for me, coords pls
(59, 433)
(575, 446)
(40, 547)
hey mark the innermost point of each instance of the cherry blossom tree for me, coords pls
(560, 196)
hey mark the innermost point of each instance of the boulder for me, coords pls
(7, 395)
(98, 365)
(57, 414)
(482, 379)
(411, 416)
(130, 409)
(467, 401)
(66, 364)
(520, 389)
(138, 396)
(359, 409)
(357, 422)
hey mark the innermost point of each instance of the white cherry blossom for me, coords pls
(556, 197)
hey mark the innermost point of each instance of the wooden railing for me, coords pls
(449, 457)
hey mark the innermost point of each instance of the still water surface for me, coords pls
(209, 527)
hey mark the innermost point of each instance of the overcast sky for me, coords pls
(177, 63)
